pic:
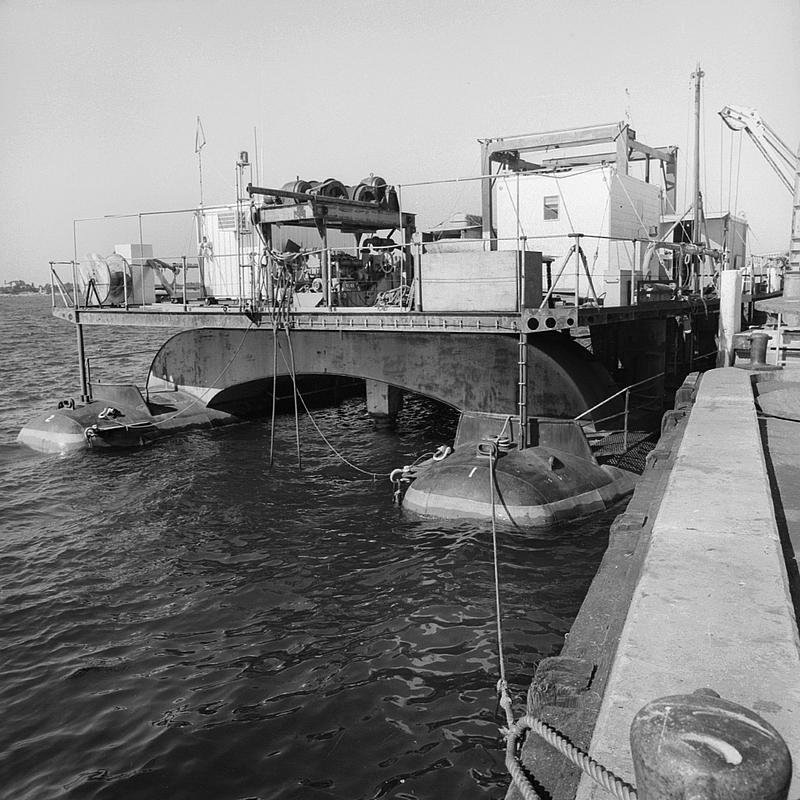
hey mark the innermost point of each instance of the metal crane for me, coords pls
(778, 155)
(765, 139)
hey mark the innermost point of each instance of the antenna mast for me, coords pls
(199, 144)
(697, 75)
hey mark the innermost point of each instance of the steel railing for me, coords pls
(625, 413)
(244, 267)
(409, 270)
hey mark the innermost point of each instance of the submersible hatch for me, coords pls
(556, 480)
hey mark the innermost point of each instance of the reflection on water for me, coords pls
(183, 621)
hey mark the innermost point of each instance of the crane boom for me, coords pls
(778, 155)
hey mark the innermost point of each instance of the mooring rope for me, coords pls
(343, 459)
(274, 391)
(597, 772)
(502, 685)
(515, 729)
(294, 386)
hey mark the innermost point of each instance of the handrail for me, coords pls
(626, 413)
(617, 394)
(111, 357)
(408, 253)
(65, 296)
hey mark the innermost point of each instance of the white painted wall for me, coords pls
(634, 212)
(221, 273)
(582, 197)
(635, 207)
(594, 202)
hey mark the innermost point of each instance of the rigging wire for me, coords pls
(688, 129)
(602, 222)
(738, 170)
(502, 685)
(274, 393)
(730, 168)
(514, 729)
(514, 204)
(564, 203)
(373, 475)
(721, 163)
(704, 160)
(605, 212)
(294, 386)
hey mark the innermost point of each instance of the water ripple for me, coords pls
(186, 621)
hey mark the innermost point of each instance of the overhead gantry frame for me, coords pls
(507, 151)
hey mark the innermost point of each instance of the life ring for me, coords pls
(442, 453)
(316, 285)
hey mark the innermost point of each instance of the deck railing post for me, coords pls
(576, 246)
(325, 270)
(139, 262)
(625, 431)
(418, 275)
(523, 391)
(75, 284)
(85, 396)
(183, 274)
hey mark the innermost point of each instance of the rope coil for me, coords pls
(597, 772)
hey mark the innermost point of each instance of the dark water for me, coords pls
(185, 622)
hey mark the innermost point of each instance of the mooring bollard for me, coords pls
(758, 348)
(701, 747)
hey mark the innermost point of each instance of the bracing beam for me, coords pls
(508, 151)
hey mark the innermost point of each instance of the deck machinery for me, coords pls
(338, 279)
(343, 284)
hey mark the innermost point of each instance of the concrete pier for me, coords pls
(383, 402)
(712, 605)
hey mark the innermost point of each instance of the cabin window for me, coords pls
(226, 220)
(551, 208)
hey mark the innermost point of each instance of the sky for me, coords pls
(99, 99)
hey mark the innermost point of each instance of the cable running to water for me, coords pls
(514, 730)
(343, 459)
